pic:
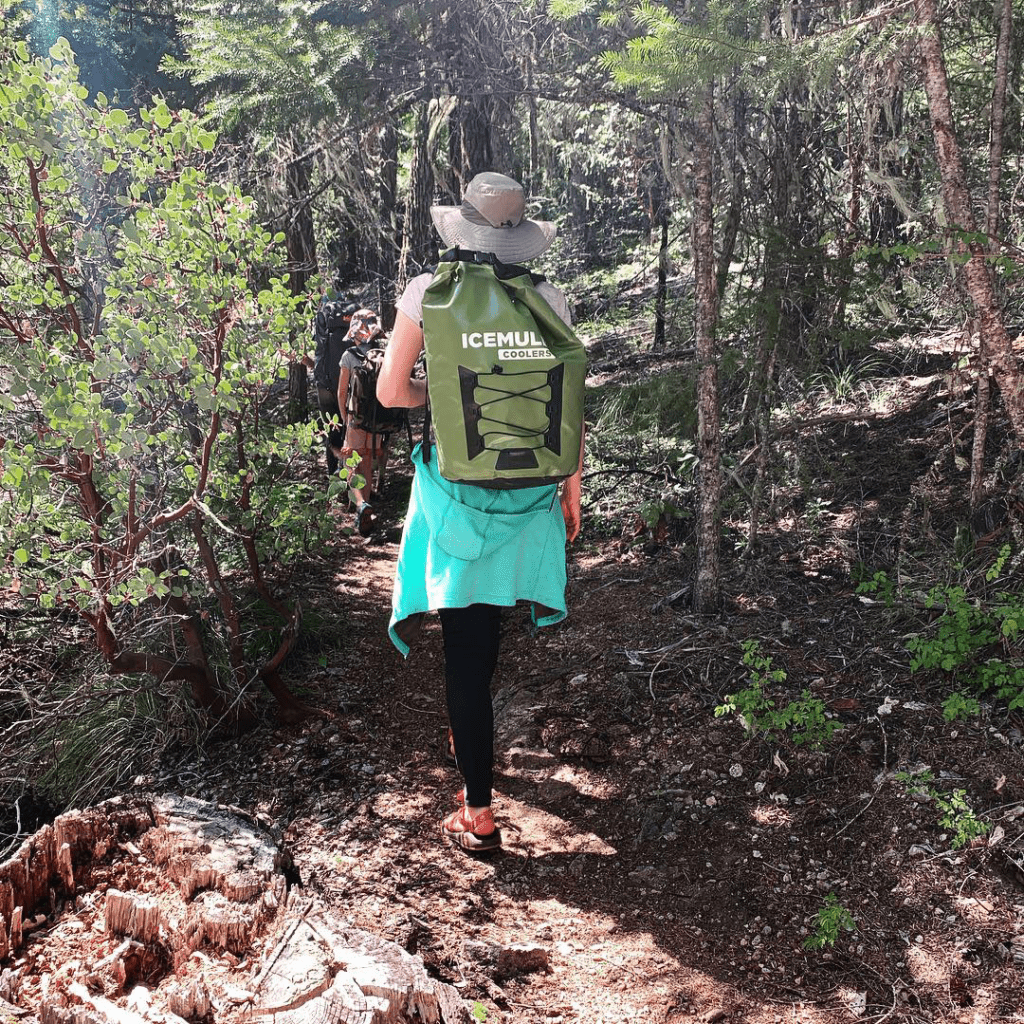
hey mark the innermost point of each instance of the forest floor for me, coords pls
(669, 866)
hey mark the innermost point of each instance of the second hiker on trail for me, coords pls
(484, 528)
(330, 334)
(368, 425)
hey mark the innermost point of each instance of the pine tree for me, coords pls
(679, 59)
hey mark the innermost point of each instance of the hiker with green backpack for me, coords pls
(496, 490)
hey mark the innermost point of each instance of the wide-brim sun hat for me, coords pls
(492, 218)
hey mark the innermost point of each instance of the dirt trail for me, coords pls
(665, 866)
(659, 864)
(567, 880)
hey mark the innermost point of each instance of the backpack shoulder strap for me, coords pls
(502, 271)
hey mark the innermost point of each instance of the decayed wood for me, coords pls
(208, 928)
(9, 984)
(16, 930)
(215, 920)
(202, 847)
(299, 915)
(64, 868)
(42, 864)
(134, 915)
(330, 974)
(8, 1011)
(384, 969)
(103, 1009)
(191, 1000)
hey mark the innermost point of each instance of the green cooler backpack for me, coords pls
(505, 376)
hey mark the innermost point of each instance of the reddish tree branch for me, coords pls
(12, 325)
(131, 662)
(289, 707)
(236, 651)
(249, 537)
(53, 265)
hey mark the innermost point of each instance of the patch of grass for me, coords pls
(664, 406)
(639, 458)
(608, 280)
(117, 724)
(844, 382)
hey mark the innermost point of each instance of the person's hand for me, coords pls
(570, 501)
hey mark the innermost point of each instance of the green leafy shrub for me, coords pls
(804, 721)
(879, 584)
(972, 640)
(956, 813)
(828, 922)
(960, 705)
(144, 318)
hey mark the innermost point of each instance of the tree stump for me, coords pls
(172, 910)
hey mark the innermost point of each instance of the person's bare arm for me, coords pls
(395, 385)
(343, 392)
(572, 489)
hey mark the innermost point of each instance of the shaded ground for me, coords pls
(673, 867)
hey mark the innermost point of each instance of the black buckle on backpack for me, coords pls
(501, 270)
(456, 254)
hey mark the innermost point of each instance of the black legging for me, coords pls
(471, 639)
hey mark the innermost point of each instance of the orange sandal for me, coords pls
(475, 834)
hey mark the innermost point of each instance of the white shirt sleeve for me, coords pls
(411, 301)
(556, 300)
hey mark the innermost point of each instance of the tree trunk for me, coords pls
(165, 877)
(731, 228)
(386, 255)
(475, 138)
(453, 182)
(957, 201)
(300, 241)
(995, 160)
(995, 153)
(844, 258)
(531, 100)
(707, 587)
(730, 232)
(661, 298)
(763, 439)
(419, 249)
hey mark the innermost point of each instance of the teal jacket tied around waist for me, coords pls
(466, 545)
